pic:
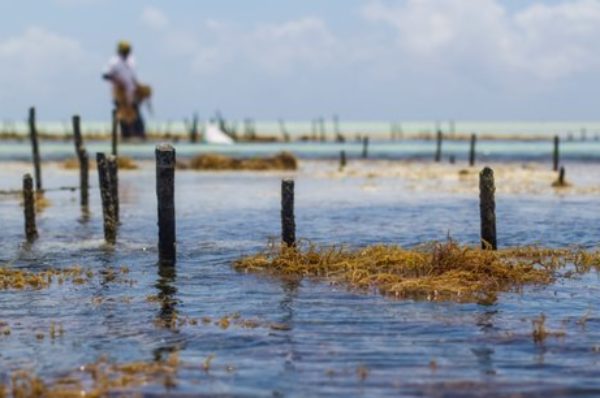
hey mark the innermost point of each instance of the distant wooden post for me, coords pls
(77, 138)
(288, 223)
(82, 157)
(556, 153)
(194, 129)
(342, 160)
(113, 172)
(472, 150)
(35, 150)
(284, 133)
(438, 150)
(487, 208)
(29, 208)
(561, 177)
(115, 132)
(336, 127)
(365, 147)
(108, 211)
(322, 129)
(165, 193)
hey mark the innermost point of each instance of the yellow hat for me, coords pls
(123, 47)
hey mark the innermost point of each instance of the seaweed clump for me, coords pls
(11, 278)
(123, 162)
(443, 271)
(98, 379)
(212, 161)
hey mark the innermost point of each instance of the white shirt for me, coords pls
(123, 72)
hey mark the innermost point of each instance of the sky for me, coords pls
(496, 60)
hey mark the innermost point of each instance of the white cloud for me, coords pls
(275, 48)
(154, 18)
(39, 52)
(306, 41)
(545, 41)
(40, 65)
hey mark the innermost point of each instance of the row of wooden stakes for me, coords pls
(165, 192)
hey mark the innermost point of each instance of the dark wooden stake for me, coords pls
(84, 168)
(487, 207)
(29, 208)
(438, 150)
(108, 212)
(77, 138)
(115, 133)
(472, 150)
(561, 177)
(323, 138)
(452, 159)
(35, 150)
(113, 172)
(194, 129)
(165, 193)
(82, 157)
(556, 157)
(365, 148)
(342, 160)
(288, 223)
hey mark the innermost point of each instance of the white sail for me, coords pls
(214, 135)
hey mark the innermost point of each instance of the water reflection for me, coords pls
(167, 314)
(290, 292)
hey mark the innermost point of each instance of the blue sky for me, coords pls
(297, 59)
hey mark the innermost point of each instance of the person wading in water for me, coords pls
(128, 93)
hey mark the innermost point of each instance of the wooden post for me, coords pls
(438, 150)
(472, 150)
(556, 153)
(322, 129)
(194, 129)
(29, 208)
(113, 172)
(342, 160)
(452, 159)
(365, 148)
(561, 177)
(84, 168)
(77, 138)
(288, 223)
(284, 133)
(35, 150)
(82, 157)
(487, 208)
(108, 212)
(165, 193)
(115, 132)
(339, 137)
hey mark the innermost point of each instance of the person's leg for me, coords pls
(139, 129)
(125, 129)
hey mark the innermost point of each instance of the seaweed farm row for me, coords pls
(383, 288)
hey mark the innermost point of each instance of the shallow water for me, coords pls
(408, 348)
(501, 150)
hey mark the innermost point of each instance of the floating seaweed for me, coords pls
(95, 380)
(540, 333)
(19, 279)
(443, 271)
(211, 161)
(123, 162)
